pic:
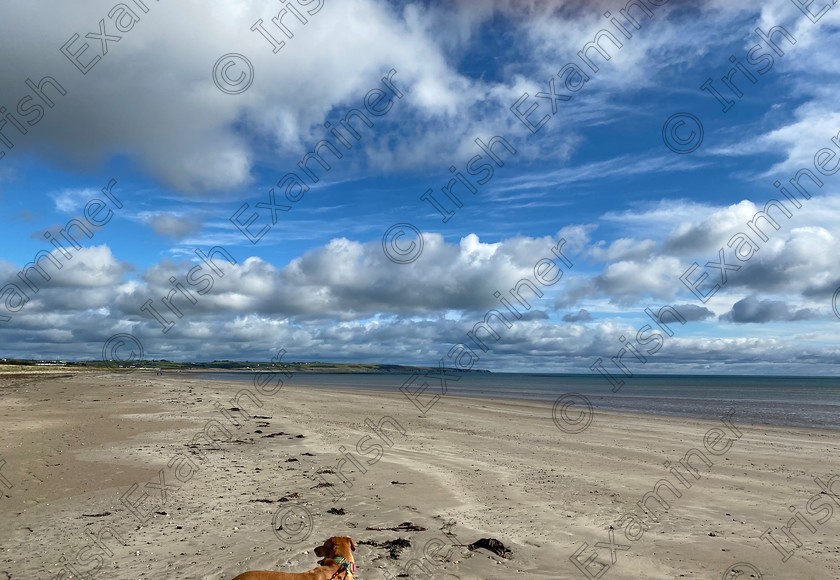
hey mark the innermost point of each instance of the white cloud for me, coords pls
(152, 100)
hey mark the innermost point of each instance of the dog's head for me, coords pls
(343, 546)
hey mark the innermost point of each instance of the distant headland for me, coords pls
(8, 364)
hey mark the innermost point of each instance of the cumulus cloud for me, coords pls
(256, 307)
(692, 312)
(628, 280)
(349, 279)
(795, 258)
(694, 237)
(342, 300)
(60, 285)
(795, 262)
(753, 310)
(165, 112)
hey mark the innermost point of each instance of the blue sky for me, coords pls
(634, 213)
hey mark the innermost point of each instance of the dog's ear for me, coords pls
(352, 545)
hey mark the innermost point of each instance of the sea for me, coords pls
(769, 400)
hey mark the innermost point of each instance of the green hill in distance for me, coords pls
(220, 365)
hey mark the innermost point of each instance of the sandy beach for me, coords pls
(145, 476)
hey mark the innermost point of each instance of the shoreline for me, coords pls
(35, 375)
(588, 398)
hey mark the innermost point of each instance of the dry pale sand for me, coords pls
(468, 469)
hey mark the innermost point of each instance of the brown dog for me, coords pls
(336, 563)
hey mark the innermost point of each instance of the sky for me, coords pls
(508, 185)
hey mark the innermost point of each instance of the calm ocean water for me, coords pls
(796, 401)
